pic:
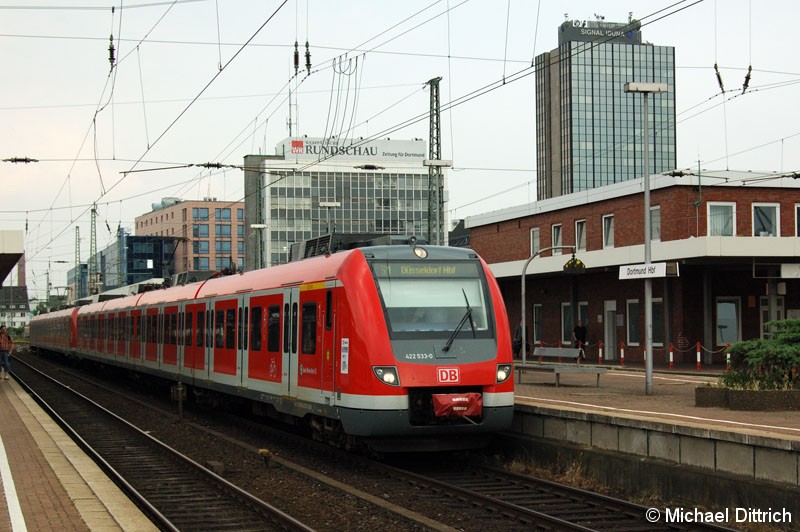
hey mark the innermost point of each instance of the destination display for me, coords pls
(449, 269)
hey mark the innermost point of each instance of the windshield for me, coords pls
(431, 297)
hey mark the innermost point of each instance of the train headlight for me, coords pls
(503, 372)
(387, 375)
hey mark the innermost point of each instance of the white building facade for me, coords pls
(315, 186)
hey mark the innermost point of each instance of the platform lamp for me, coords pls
(646, 89)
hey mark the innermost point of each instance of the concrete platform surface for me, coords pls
(622, 394)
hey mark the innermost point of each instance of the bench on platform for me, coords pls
(560, 353)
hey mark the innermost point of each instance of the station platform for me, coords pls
(48, 482)
(621, 393)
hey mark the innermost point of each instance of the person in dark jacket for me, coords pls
(6, 346)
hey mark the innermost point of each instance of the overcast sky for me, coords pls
(200, 81)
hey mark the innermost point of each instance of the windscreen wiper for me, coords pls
(467, 316)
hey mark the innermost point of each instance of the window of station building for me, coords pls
(632, 306)
(220, 263)
(580, 235)
(608, 231)
(721, 219)
(797, 219)
(556, 230)
(538, 325)
(200, 246)
(201, 264)
(199, 214)
(728, 326)
(766, 219)
(222, 214)
(240, 247)
(239, 215)
(200, 230)
(567, 323)
(240, 231)
(658, 322)
(655, 222)
(240, 263)
(223, 231)
(535, 243)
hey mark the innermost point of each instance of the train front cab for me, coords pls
(433, 331)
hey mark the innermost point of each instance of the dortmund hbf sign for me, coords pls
(644, 271)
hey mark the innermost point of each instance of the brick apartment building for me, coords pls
(212, 232)
(732, 235)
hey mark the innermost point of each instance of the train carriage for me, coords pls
(382, 345)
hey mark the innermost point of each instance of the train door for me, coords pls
(328, 346)
(194, 352)
(225, 355)
(151, 336)
(264, 358)
(122, 336)
(169, 336)
(135, 351)
(290, 313)
(243, 339)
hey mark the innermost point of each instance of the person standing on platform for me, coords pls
(516, 343)
(579, 337)
(6, 346)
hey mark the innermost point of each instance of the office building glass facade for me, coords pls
(589, 130)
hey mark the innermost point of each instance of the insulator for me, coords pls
(747, 79)
(719, 78)
(296, 59)
(111, 58)
(308, 59)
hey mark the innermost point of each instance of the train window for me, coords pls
(274, 329)
(294, 321)
(239, 339)
(230, 328)
(200, 329)
(219, 332)
(187, 333)
(309, 329)
(286, 327)
(244, 334)
(328, 310)
(255, 329)
(210, 328)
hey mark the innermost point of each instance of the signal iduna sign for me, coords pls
(643, 271)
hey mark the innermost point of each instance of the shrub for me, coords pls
(767, 364)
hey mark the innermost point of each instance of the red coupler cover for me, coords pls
(457, 404)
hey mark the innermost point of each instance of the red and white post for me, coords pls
(698, 355)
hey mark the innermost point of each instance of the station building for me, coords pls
(730, 240)
(315, 186)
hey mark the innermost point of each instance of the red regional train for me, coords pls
(399, 347)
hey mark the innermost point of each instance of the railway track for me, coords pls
(540, 501)
(443, 494)
(174, 491)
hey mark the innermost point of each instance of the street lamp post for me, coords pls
(522, 295)
(645, 89)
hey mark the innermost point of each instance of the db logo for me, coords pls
(448, 374)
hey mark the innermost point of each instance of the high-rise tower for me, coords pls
(587, 127)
